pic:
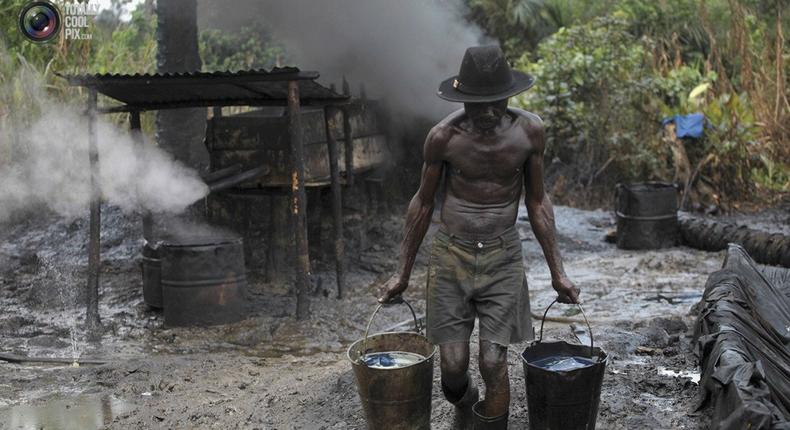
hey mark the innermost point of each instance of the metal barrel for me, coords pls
(647, 215)
(398, 398)
(203, 281)
(152, 272)
(565, 400)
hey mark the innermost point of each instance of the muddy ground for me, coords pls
(273, 372)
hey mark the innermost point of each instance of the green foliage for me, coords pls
(673, 90)
(664, 21)
(27, 70)
(730, 134)
(607, 70)
(604, 85)
(122, 47)
(15, 44)
(520, 25)
(249, 48)
(127, 47)
(773, 175)
(594, 91)
(731, 130)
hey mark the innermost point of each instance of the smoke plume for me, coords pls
(50, 167)
(399, 49)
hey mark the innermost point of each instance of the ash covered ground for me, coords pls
(273, 372)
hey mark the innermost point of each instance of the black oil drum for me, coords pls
(152, 271)
(647, 215)
(203, 281)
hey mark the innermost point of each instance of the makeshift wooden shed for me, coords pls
(284, 141)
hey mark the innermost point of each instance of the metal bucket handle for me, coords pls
(589, 329)
(395, 301)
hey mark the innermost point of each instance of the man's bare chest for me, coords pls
(491, 158)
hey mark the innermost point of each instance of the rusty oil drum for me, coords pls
(399, 398)
(647, 215)
(203, 281)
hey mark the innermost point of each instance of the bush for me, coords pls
(596, 94)
(602, 100)
(248, 48)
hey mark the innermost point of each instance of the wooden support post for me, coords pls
(348, 138)
(337, 202)
(298, 200)
(137, 135)
(92, 320)
(349, 147)
(314, 217)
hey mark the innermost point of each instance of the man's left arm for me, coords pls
(541, 216)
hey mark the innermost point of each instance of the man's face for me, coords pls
(486, 116)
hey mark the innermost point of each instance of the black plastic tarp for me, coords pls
(742, 340)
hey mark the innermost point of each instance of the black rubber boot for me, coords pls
(483, 422)
(463, 419)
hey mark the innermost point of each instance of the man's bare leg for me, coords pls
(457, 386)
(493, 369)
(455, 366)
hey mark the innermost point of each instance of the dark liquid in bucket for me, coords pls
(563, 363)
(391, 359)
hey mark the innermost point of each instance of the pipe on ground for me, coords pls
(709, 235)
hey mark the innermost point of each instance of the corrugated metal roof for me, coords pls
(173, 90)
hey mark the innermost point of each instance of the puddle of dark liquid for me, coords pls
(76, 413)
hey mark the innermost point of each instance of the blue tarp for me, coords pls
(691, 125)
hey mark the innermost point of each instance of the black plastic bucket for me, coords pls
(397, 398)
(647, 215)
(563, 400)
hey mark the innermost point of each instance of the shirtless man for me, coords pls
(486, 153)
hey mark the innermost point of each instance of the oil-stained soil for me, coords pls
(273, 372)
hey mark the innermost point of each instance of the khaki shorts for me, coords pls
(483, 279)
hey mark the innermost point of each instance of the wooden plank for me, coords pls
(253, 130)
(298, 202)
(363, 118)
(264, 132)
(348, 143)
(369, 153)
(337, 204)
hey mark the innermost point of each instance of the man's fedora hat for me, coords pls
(485, 76)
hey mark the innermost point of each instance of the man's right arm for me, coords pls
(420, 212)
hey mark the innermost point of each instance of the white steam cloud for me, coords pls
(399, 49)
(53, 169)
